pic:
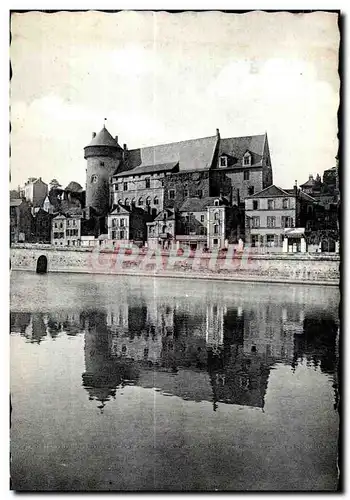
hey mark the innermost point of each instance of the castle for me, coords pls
(168, 192)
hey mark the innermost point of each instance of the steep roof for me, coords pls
(236, 147)
(194, 154)
(149, 169)
(301, 193)
(199, 204)
(169, 212)
(270, 192)
(103, 138)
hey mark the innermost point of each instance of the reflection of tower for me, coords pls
(103, 372)
(214, 333)
(36, 330)
(103, 155)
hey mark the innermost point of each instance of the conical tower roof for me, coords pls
(103, 138)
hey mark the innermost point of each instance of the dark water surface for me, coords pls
(123, 383)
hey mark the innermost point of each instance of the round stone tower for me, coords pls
(103, 156)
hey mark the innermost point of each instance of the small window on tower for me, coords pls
(102, 163)
(94, 178)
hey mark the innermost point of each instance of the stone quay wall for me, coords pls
(321, 269)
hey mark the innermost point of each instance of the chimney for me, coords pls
(218, 133)
(295, 188)
(116, 138)
(125, 151)
(311, 177)
(93, 135)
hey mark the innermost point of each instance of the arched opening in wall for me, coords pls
(41, 265)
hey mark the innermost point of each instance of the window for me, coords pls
(270, 204)
(285, 203)
(223, 161)
(121, 235)
(199, 193)
(255, 240)
(185, 193)
(116, 187)
(133, 202)
(148, 200)
(246, 160)
(156, 201)
(216, 203)
(202, 231)
(122, 222)
(148, 183)
(140, 201)
(251, 190)
(216, 229)
(102, 163)
(255, 205)
(246, 175)
(202, 218)
(270, 240)
(114, 235)
(67, 232)
(216, 216)
(271, 221)
(255, 221)
(215, 241)
(287, 221)
(94, 179)
(125, 186)
(171, 194)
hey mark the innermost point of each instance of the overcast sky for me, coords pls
(161, 77)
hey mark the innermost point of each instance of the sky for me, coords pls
(160, 77)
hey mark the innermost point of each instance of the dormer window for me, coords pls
(94, 178)
(223, 161)
(216, 203)
(247, 159)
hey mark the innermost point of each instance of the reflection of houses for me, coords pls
(103, 373)
(242, 379)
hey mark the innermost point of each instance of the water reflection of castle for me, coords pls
(196, 351)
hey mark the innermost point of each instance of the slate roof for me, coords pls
(236, 147)
(103, 138)
(170, 214)
(270, 192)
(199, 204)
(301, 193)
(194, 154)
(149, 169)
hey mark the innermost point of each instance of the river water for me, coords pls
(127, 383)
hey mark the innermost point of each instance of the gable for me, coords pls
(271, 192)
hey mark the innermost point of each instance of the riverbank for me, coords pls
(318, 269)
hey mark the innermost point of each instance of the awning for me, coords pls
(294, 232)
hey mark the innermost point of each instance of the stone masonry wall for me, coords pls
(313, 269)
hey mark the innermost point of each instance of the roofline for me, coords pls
(176, 142)
(271, 185)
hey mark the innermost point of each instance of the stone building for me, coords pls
(128, 224)
(271, 211)
(35, 191)
(164, 176)
(42, 226)
(66, 230)
(161, 231)
(104, 156)
(21, 221)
